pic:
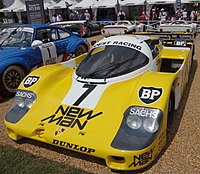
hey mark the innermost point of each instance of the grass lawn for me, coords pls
(16, 161)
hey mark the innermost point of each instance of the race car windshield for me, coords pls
(111, 61)
(18, 37)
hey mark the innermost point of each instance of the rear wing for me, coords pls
(177, 42)
(173, 39)
(169, 35)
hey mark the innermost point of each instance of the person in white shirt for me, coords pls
(192, 15)
(87, 15)
(58, 18)
(184, 14)
(162, 15)
(53, 19)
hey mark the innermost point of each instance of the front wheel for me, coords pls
(10, 80)
(171, 109)
(80, 50)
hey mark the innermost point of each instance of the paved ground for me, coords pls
(181, 155)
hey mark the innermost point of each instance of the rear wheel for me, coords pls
(10, 80)
(80, 50)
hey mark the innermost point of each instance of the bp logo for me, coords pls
(30, 81)
(149, 95)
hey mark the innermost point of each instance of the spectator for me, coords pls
(178, 14)
(121, 15)
(192, 15)
(143, 17)
(162, 15)
(72, 16)
(87, 15)
(53, 19)
(47, 19)
(16, 20)
(153, 14)
(58, 18)
(90, 12)
(184, 14)
(82, 16)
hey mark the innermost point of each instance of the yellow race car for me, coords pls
(116, 102)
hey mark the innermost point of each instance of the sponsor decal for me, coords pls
(71, 116)
(162, 140)
(59, 131)
(180, 43)
(149, 95)
(73, 146)
(144, 112)
(142, 159)
(24, 94)
(120, 43)
(30, 81)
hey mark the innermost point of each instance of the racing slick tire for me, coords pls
(80, 50)
(10, 80)
(171, 109)
(134, 30)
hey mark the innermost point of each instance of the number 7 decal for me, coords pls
(85, 94)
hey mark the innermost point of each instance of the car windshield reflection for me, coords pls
(18, 37)
(111, 61)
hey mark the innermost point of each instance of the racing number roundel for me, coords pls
(149, 95)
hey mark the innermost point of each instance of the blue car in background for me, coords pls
(26, 47)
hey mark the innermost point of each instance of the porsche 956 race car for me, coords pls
(116, 105)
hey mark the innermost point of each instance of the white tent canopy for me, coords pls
(106, 4)
(131, 2)
(190, 1)
(62, 4)
(85, 4)
(161, 2)
(19, 6)
(16, 5)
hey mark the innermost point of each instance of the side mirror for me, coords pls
(93, 42)
(36, 43)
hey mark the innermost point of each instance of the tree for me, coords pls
(1, 4)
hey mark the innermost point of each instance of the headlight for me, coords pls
(134, 122)
(139, 128)
(143, 117)
(150, 125)
(22, 102)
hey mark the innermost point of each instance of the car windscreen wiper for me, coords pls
(12, 33)
(112, 67)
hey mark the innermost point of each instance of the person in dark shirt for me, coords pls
(121, 15)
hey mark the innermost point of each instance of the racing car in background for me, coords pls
(122, 27)
(82, 27)
(126, 27)
(178, 26)
(116, 105)
(26, 47)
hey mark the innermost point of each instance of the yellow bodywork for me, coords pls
(91, 131)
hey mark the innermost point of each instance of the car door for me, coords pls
(61, 39)
(45, 53)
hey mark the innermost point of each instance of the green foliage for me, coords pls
(20, 162)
